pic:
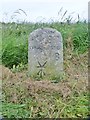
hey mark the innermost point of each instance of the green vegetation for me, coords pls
(51, 107)
(15, 40)
(20, 100)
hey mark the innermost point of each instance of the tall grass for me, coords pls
(15, 39)
(15, 36)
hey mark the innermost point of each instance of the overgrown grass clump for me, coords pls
(15, 39)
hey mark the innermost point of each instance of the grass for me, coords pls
(24, 97)
(75, 108)
(15, 40)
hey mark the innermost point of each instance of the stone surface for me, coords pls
(45, 53)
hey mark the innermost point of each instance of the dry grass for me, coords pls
(76, 78)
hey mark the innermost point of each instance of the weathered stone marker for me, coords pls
(45, 53)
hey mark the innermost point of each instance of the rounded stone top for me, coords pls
(44, 32)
